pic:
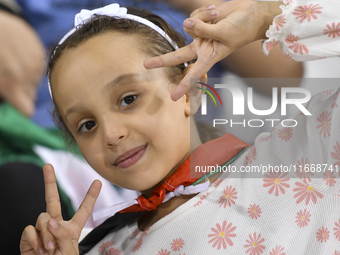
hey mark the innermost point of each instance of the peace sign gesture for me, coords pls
(217, 32)
(51, 233)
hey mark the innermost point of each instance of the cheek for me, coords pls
(93, 156)
(170, 128)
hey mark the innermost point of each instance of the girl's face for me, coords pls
(120, 114)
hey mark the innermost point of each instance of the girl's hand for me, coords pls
(235, 24)
(51, 233)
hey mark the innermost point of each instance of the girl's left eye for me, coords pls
(127, 100)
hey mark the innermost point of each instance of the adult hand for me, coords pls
(234, 24)
(52, 234)
(22, 63)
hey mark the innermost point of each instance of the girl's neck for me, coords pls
(195, 141)
(148, 219)
(166, 208)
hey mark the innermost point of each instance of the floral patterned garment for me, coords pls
(306, 30)
(277, 213)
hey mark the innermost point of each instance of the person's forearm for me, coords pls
(266, 11)
(250, 62)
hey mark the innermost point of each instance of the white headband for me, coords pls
(112, 10)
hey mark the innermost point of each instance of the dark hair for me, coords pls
(98, 24)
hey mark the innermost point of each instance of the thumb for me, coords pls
(198, 28)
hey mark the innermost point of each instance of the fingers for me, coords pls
(30, 243)
(202, 9)
(198, 28)
(41, 225)
(87, 205)
(63, 237)
(196, 71)
(206, 15)
(177, 57)
(53, 207)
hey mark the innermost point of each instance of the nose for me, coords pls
(114, 132)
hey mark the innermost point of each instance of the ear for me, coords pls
(193, 97)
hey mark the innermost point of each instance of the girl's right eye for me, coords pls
(87, 126)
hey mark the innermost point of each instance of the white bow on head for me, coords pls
(113, 10)
(110, 10)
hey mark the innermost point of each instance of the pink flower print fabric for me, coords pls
(303, 218)
(302, 170)
(305, 30)
(277, 182)
(323, 234)
(332, 30)
(294, 44)
(304, 12)
(177, 244)
(285, 133)
(337, 230)
(278, 250)
(254, 211)
(229, 196)
(107, 248)
(306, 192)
(222, 235)
(325, 124)
(254, 244)
(163, 252)
(271, 213)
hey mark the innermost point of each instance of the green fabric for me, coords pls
(19, 135)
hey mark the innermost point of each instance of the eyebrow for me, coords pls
(119, 80)
(107, 87)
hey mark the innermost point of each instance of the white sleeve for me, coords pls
(306, 30)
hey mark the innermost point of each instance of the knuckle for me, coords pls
(85, 209)
(43, 217)
(28, 229)
(52, 199)
(42, 222)
(199, 31)
(28, 235)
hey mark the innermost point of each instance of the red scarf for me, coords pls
(212, 153)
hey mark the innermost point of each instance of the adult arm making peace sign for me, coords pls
(51, 233)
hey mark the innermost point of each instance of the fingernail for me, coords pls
(211, 7)
(188, 23)
(213, 13)
(50, 245)
(41, 252)
(53, 223)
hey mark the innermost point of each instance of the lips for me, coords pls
(130, 157)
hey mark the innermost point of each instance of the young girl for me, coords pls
(132, 133)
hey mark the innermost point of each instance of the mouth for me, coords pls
(130, 157)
